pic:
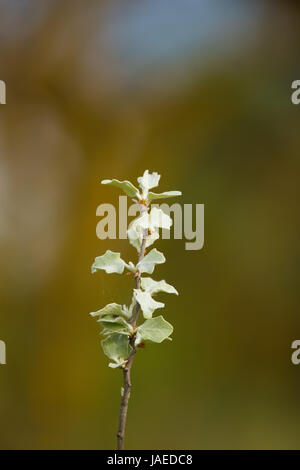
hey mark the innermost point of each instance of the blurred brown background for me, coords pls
(200, 92)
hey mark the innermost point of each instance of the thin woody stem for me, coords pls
(127, 368)
(125, 400)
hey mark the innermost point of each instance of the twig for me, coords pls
(127, 368)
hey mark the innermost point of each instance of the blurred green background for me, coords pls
(200, 92)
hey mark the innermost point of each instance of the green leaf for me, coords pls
(147, 264)
(115, 325)
(152, 196)
(116, 347)
(155, 329)
(148, 305)
(110, 309)
(151, 286)
(109, 262)
(126, 186)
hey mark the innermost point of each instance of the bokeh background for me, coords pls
(200, 92)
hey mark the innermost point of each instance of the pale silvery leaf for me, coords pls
(150, 222)
(131, 266)
(108, 332)
(148, 305)
(148, 181)
(115, 325)
(126, 311)
(138, 339)
(152, 236)
(147, 264)
(114, 365)
(132, 305)
(156, 219)
(153, 287)
(152, 196)
(109, 262)
(126, 186)
(155, 329)
(110, 309)
(135, 234)
(116, 347)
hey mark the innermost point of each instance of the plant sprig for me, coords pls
(122, 335)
